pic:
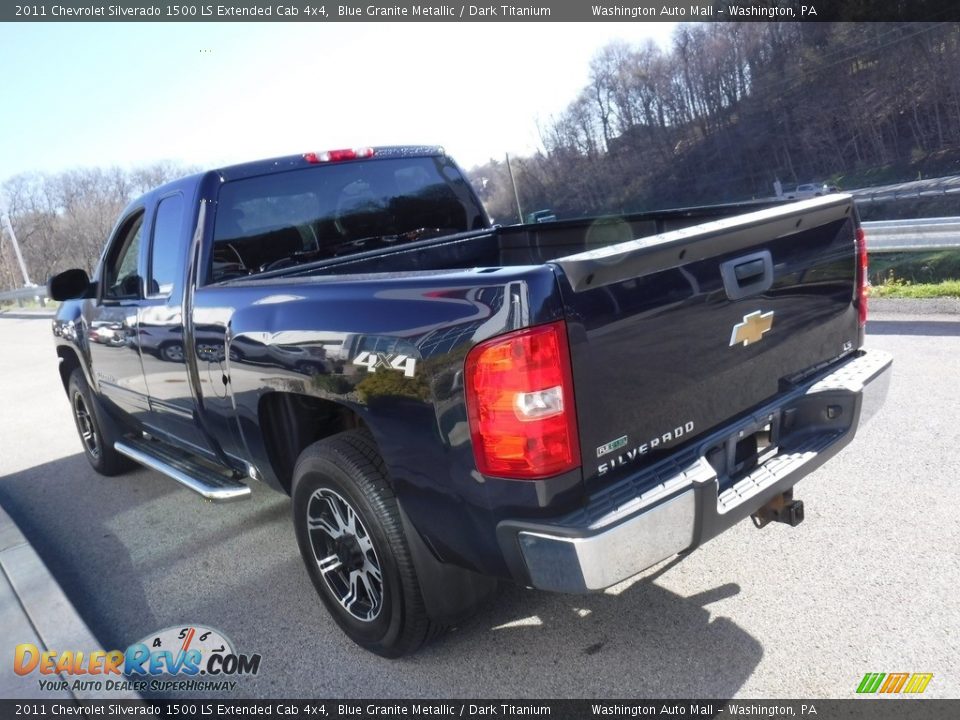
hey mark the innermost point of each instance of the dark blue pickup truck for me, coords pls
(450, 403)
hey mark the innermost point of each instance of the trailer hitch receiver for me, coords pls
(782, 508)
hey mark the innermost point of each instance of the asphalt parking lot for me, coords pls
(868, 583)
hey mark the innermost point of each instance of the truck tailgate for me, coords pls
(677, 333)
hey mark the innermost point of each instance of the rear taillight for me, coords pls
(338, 155)
(862, 276)
(519, 392)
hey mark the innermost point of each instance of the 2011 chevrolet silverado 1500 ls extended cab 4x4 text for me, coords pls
(449, 403)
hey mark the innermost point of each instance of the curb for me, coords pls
(34, 609)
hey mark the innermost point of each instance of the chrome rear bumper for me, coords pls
(682, 502)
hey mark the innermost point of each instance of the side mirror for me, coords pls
(68, 285)
(130, 286)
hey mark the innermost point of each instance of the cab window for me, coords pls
(120, 280)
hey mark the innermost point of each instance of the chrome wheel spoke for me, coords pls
(84, 421)
(344, 515)
(329, 564)
(371, 589)
(321, 523)
(372, 570)
(351, 597)
(365, 544)
(85, 426)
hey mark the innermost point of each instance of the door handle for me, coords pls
(748, 270)
(747, 275)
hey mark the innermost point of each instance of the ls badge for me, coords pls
(752, 328)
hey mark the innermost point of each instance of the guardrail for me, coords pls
(884, 236)
(35, 293)
(933, 187)
(924, 235)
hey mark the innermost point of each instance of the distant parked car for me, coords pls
(809, 190)
(541, 216)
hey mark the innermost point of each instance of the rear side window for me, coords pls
(168, 247)
(327, 211)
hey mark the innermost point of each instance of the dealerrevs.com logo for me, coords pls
(183, 658)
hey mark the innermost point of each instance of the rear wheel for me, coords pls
(351, 538)
(97, 433)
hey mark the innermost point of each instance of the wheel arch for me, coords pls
(289, 422)
(70, 361)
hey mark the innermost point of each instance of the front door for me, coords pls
(111, 322)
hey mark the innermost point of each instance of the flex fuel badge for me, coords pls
(612, 445)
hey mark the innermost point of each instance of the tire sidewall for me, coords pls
(314, 473)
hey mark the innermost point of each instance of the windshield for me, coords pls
(332, 210)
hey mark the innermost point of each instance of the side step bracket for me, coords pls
(213, 484)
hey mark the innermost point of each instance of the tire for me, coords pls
(351, 538)
(172, 352)
(97, 433)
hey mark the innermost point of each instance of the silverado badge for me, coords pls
(752, 328)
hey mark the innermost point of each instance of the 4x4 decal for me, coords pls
(372, 361)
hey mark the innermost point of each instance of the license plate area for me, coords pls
(749, 446)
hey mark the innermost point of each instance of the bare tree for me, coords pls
(63, 220)
(730, 106)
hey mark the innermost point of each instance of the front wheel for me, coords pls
(96, 433)
(351, 538)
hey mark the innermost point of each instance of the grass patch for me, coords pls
(898, 288)
(915, 268)
(12, 306)
(915, 275)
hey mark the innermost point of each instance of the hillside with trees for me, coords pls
(729, 108)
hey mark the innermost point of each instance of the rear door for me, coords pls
(161, 331)
(673, 335)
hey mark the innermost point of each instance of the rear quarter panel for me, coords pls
(304, 336)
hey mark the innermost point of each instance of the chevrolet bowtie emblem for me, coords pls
(752, 328)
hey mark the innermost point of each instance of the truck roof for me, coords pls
(267, 166)
(289, 162)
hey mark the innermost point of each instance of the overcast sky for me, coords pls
(208, 94)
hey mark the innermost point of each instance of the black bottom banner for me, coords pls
(868, 709)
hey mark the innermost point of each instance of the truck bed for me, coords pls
(653, 302)
(512, 245)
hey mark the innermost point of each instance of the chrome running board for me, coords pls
(212, 484)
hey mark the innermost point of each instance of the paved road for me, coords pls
(869, 583)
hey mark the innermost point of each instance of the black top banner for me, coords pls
(497, 11)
